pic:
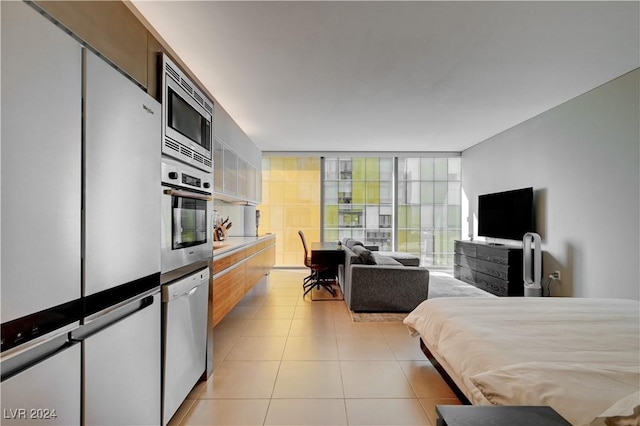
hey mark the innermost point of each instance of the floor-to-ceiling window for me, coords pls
(358, 200)
(429, 208)
(290, 202)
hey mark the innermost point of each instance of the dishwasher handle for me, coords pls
(186, 286)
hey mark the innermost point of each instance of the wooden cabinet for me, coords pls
(118, 32)
(236, 273)
(228, 290)
(110, 28)
(495, 269)
(226, 262)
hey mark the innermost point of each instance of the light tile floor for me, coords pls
(280, 359)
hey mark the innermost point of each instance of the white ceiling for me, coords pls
(394, 76)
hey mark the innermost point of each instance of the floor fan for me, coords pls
(532, 264)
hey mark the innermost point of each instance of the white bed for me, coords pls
(579, 356)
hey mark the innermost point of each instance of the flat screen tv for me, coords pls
(507, 215)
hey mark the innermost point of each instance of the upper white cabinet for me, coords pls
(218, 166)
(230, 174)
(243, 179)
(237, 162)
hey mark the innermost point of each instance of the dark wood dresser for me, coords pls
(496, 269)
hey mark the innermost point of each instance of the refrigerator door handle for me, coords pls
(116, 306)
(112, 316)
(32, 353)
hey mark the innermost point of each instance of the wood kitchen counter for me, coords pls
(237, 267)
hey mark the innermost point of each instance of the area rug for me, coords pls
(377, 316)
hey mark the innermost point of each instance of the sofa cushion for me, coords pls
(407, 259)
(352, 243)
(386, 261)
(364, 255)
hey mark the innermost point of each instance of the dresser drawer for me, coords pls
(464, 274)
(467, 249)
(493, 254)
(467, 262)
(491, 284)
(494, 269)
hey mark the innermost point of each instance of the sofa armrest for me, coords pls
(387, 288)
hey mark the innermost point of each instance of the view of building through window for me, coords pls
(290, 203)
(358, 200)
(429, 208)
(360, 197)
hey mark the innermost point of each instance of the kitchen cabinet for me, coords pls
(258, 185)
(110, 28)
(229, 289)
(230, 172)
(237, 269)
(237, 161)
(243, 179)
(114, 30)
(218, 166)
(252, 183)
(234, 177)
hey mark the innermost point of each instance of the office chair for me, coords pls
(307, 262)
(315, 278)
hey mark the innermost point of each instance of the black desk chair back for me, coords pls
(307, 261)
(314, 279)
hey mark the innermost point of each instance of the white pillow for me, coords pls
(625, 412)
(578, 392)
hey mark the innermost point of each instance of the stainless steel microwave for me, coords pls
(187, 118)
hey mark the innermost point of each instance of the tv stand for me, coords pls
(495, 268)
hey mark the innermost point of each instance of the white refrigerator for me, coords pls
(80, 295)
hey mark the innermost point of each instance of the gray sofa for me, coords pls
(379, 281)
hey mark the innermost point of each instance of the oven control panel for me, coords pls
(179, 175)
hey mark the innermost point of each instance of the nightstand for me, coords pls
(470, 415)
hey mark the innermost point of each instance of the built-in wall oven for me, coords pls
(187, 205)
(187, 118)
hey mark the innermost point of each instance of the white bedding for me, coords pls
(580, 356)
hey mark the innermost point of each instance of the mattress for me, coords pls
(579, 356)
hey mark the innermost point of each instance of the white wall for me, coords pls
(583, 160)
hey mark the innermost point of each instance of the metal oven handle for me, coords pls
(187, 194)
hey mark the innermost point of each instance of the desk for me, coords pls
(328, 256)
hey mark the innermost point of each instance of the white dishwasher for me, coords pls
(184, 343)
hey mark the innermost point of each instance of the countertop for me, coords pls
(232, 244)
